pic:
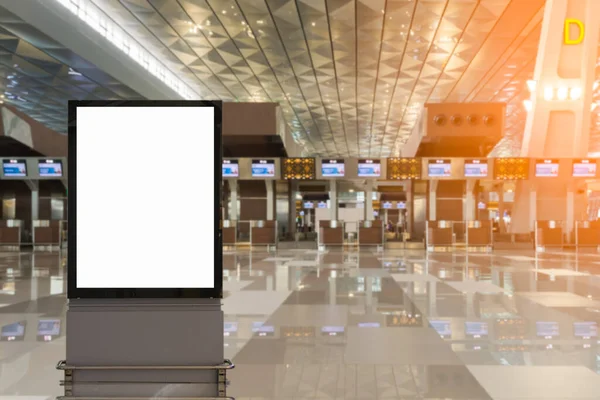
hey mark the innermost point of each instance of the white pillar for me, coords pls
(532, 208)
(369, 203)
(35, 204)
(333, 201)
(432, 200)
(560, 128)
(270, 200)
(570, 222)
(233, 195)
(469, 210)
(409, 205)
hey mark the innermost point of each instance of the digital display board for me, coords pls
(231, 169)
(369, 325)
(475, 168)
(50, 168)
(263, 168)
(14, 168)
(439, 168)
(546, 168)
(309, 204)
(386, 205)
(13, 332)
(401, 205)
(332, 331)
(333, 168)
(547, 330)
(230, 328)
(584, 168)
(368, 168)
(443, 328)
(48, 329)
(476, 329)
(322, 204)
(585, 329)
(262, 330)
(116, 130)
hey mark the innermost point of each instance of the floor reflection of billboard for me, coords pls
(476, 329)
(48, 329)
(547, 330)
(13, 332)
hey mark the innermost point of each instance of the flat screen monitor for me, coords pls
(230, 328)
(333, 168)
(332, 331)
(13, 332)
(584, 168)
(439, 168)
(231, 169)
(50, 168)
(401, 205)
(546, 168)
(309, 204)
(476, 329)
(262, 330)
(135, 132)
(322, 204)
(443, 328)
(14, 168)
(547, 330)
(263, 168)
(585, 329)
(368, 168)
(369, 325)
(476, 168)
(386, 205)
(48, 329)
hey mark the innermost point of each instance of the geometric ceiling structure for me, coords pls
(38, 75)
(350, 75)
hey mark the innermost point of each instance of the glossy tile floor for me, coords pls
(359, 325)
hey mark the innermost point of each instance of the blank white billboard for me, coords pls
(145, 197)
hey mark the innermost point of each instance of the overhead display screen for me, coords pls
(476, 329)
(476, 168)
(443, 328)
(13, 332)
(584, 168)
(50, 168)
(322, 204)
(134, 266)
(439, 168)
(401, 205)
(368, 168)
(585, 329)
(332, 331)
(14, 168)
(333, 168)
(263, 168)
(386, 205)
(547, 330)
(546, 168)
(309, 204)
(231, 169)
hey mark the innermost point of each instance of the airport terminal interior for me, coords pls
(409, 199)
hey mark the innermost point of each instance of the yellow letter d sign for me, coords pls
(568, 38)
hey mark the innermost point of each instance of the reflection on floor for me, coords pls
(358, 325)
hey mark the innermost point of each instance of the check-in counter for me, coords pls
(370, 233)
(229, 233)
(548, 234)
(10, 236)
(587, 233)
(479, 234)
(440, 234)
(46, 233)
(331, 233)
(263, 233)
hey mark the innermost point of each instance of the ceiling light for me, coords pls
(531, 85)
(575, 93)
(562, 93)
(528, 105)
(594, 105)
(548, 93)
(314, 23)
(596, 84)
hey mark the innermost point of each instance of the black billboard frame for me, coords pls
(73, 292)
